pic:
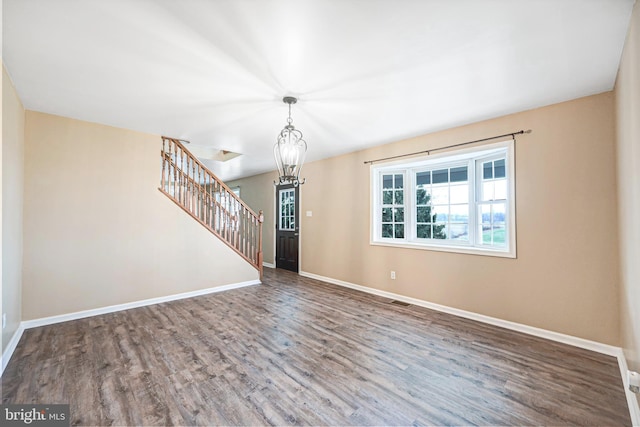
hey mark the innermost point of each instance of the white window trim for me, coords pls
(408, 168)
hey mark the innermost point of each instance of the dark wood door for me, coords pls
(287, 227)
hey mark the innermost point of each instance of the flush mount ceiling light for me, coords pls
(289, 151)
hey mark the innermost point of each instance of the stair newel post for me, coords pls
(259, 260)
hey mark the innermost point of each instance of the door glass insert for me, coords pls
(287, 218)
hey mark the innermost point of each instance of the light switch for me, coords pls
(309, 213)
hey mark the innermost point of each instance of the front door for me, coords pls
(287, 228)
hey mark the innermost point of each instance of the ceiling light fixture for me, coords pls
(289, 151)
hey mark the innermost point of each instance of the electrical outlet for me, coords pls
(4, 320)
(393, 275)
(633, 378)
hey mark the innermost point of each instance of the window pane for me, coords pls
(387, 215)
(399, 231)
(423, 214)
(387, 230)
(399, 199)
(485, 213)
(398, 215)
(495, 236)
(486, 234)
(459, 174)
(501, 189)
(440, 195)
(488, 191)
(459, 193)
(441, 212)
(498, 214)
(441, 176)
(439, 231)
(487, 170)
(499, 168)
(387, 197)
(398, 181)
(422, 198)
(423, 231)
(459, 231)
(423, 178)
(459, 213)
(387, 181)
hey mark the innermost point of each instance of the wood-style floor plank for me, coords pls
(296, 351)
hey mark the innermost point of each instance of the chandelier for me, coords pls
(289, 151)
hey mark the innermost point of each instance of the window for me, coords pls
(287, 213)
(458, 202)
(393, 206)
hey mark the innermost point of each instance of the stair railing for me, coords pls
(193, 187)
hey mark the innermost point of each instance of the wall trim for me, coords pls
(11, 347)
(519, 327)
(43, 321)
(632, 401)
(268, 265)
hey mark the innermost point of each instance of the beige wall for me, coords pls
(628, 138)
(258, 192)
(97, 230)
(565, 278)
(12, 206)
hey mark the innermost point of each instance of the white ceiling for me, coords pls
(366, 72)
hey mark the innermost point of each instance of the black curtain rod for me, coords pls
(512, 134)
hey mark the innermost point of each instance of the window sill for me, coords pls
(467, 250)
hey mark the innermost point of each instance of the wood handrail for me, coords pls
(200, 193)
(198, 162)
(208, 195)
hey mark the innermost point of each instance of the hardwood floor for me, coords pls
(296, 351)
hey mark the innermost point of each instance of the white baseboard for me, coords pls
(27, 324)
(268, 265)
(129, 305)
(609, 350)
(538, 332)
(11, 347)
(632, 400)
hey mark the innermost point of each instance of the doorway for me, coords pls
(287, 227)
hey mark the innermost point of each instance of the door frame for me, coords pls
(276, 218)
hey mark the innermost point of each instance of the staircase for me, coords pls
(193, 187)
